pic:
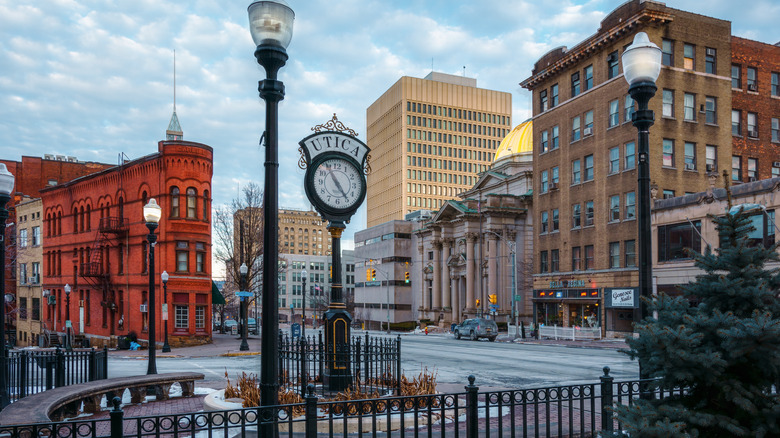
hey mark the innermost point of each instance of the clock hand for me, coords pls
(338, 184)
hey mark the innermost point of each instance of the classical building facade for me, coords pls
(585, 156)
(429, 139)
(95, 242)
(755, 112)
(473, 256)
(29, 260)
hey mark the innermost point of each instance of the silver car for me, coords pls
(476, 328)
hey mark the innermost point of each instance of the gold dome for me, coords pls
(518, 141)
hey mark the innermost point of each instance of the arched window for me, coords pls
(81, 219)
(174, 201)
(58, 230)
(144, 199)
(75, 219)
(121, 212)
(88, 218)
(192, 202)
(206, 205)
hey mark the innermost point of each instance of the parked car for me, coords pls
(252, 326)
(229, 324)
(476, 328)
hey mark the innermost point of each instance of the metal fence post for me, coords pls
(22, 364)
(311, 412)
(92, 365)
(303, 379)
(472, 420)
(59, 369)
(356, 363)
(398, 365)
(606, 401)
(116, 416)
(104, 374)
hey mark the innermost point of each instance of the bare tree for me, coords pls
(238, 238)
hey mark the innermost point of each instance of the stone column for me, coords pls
(436, 276)
(446, 292)
(494, 259)
(455, 290)
(472, 269)
(423, 287)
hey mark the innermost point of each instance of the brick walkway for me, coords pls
(148, 411)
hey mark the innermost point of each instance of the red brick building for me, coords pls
(30, 176)
(95, 241)
(755, 110)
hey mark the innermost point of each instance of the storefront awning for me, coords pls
(216, 295)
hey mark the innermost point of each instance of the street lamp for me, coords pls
(641, 67)
(152, 215)
(244, 269)
(304, 276)
(68, 345)
(6, 185)
(164, 277)
(271, 25)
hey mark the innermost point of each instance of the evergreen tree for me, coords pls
(725, 352)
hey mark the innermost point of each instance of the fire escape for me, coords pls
(96, 272)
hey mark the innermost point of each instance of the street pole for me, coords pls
(244, 269)
(641, 67)
(271, 26)
(68, 342)
(164, 277)
(304, 274)
(152, 215)
(6, 185)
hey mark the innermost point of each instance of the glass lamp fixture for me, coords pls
(164, 276)
(641, 60)
(152, 212)
(271, 23)
(6, 181)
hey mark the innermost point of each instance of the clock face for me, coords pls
(337, 183)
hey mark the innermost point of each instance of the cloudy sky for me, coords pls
(94, 78)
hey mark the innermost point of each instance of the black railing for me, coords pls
(34, 371)
(571, 410)
(375, 363)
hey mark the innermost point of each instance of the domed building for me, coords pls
(476, 251)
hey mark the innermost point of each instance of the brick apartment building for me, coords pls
(94, 239)
(585, 153)
(31, 174)
(755, 112)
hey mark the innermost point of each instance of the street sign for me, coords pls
(244, 294)
(296, 330)
(494, 307)
(518, 298)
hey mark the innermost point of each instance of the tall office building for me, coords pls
(429, 139)
(585, 155)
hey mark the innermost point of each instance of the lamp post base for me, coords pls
(337, 375)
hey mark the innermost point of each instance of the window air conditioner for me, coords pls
(690, 166)
(776, 164)
(587, 131)
(144, 308)
(753, 134)
(711, 168)
(752, 87)
(553, 186)
(753, 179)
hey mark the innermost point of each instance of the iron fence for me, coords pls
(562, 411)
(33, 371)
(374, 362)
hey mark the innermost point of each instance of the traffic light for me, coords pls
(406, 277)
(368, 274)
(493, 299)
(373, 274)
(477, 302)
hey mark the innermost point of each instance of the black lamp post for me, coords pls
(641, 67)
(271, 24)
(152, 214)
(244, 345)
(6, 185)
(304, 275)
(164, 277)
(68, 344)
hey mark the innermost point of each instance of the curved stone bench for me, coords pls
(65, 401)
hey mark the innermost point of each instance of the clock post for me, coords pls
(336, 162)
(338, 374)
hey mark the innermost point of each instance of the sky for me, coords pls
(94, 78)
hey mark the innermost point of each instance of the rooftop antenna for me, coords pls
(174, 131)
(431, 63)
(464, 71)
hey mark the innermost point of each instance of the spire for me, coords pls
(174, 131)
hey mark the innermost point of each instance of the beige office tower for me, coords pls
(429, 140)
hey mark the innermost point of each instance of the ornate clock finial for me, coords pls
(334, 124)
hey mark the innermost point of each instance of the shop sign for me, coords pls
(566, 284)
(627, 297)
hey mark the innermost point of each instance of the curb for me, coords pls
(253, 353)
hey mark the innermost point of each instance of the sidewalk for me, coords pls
(221, 345)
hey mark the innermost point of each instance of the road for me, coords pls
(495, 364)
